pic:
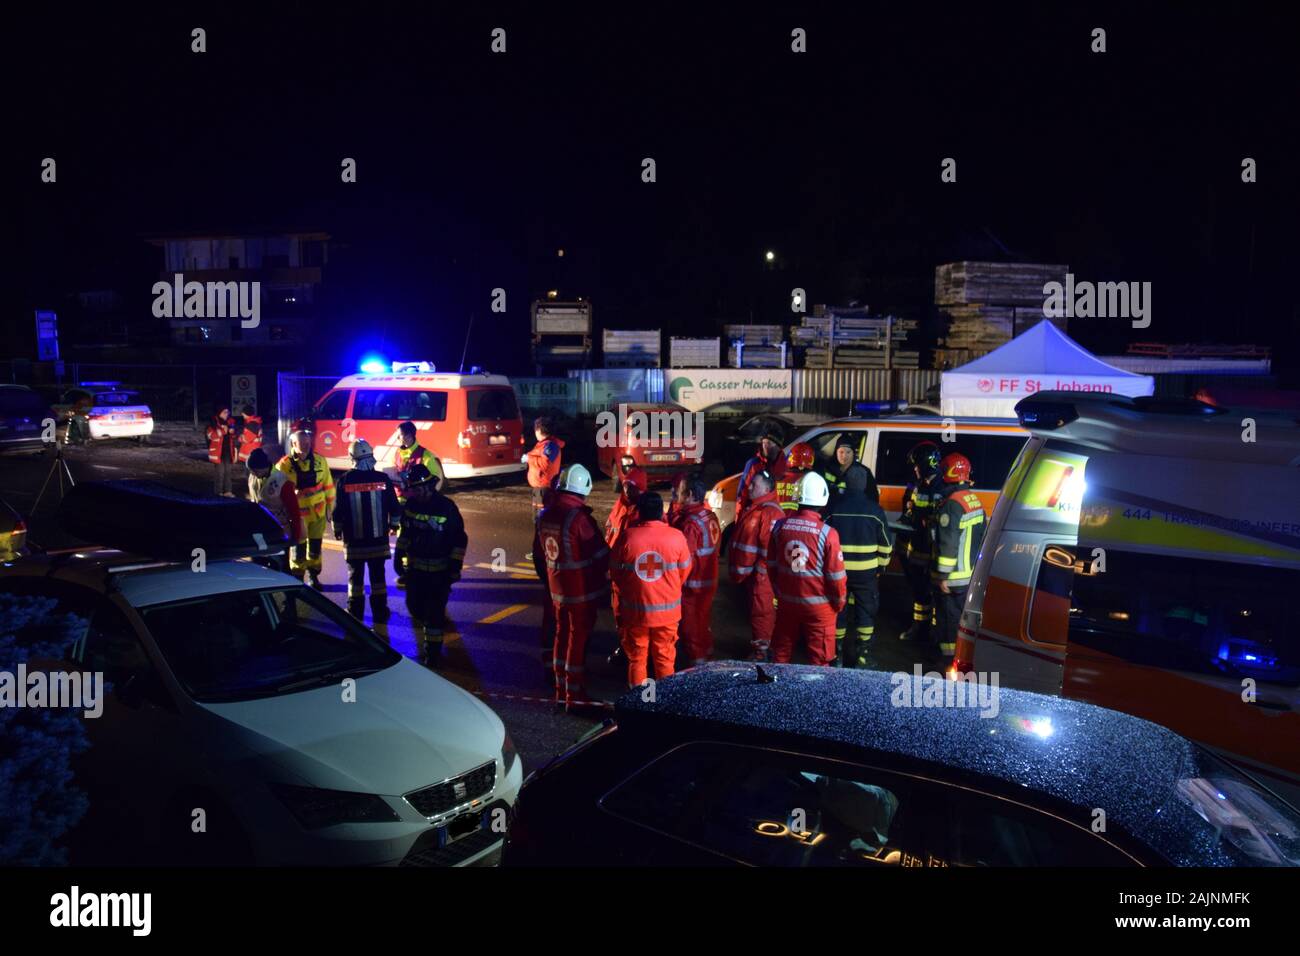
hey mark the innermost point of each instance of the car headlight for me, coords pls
(315, 808)
(713, 499)
(508, 755)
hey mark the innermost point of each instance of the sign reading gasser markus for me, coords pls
(697, 389)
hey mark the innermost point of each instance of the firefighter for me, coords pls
(959, 526)
(543, 463)
(275, 491)
(747, 561)
(806, 565)
(223, 451)
(432, 534)
(798, 463)
(697, 522)
(311, 476)
(410, 453)
(577, 572)
(250, 433)
(366, 514)
(649, 570)
(846, 454)
(769, 459)
(864, 538)
(918, 505)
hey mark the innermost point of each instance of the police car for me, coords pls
(236, 691)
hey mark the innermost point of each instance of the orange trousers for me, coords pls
(697, 626)
(658, 641)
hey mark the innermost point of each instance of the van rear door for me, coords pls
(493, 434)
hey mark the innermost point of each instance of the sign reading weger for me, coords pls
(696, 389)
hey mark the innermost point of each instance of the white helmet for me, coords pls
(577, 479)
(360, 450)
(813, 490)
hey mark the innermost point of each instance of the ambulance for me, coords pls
(1145, 556)
(471, 422)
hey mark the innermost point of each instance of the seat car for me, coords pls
(234, 689)
(1145, 556)
(789, 765)
(23, 413)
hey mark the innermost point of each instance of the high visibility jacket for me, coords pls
(367, 510)
(544, 463)
(415, 455)
(649, 570)
(279, 495)
(776, 468)
(432, 534)
(624, 511)
(864, 536)
(747, 559)
(221, 440)
(787, 489)
(805, 561)
(703, 535)
(835, 484)
(250, 436)
(577, 558)
(959, 526)
(314, 482)
(918, 512)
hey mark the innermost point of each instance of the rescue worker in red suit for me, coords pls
(223, 451)
(624, 511)
(806, 566)
(798, 463)
(769, 459)
(621, 470)
(649, 570)
(250, 433)
(543, 463)
(697, 522)
(680, 484)
(747, 561)
(577, 572)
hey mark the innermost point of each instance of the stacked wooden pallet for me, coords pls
(850, 338)
(753, 335)
(983, 305)
(755, 356)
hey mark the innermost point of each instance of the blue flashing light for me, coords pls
(373, 365)
(880, 408)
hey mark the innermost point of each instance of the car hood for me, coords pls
(407, 728)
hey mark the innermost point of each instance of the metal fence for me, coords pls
(834, 391)
(295, 396)
(189, 393)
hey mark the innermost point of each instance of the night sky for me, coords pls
(475, 168)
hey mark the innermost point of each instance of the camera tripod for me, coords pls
(59, 466)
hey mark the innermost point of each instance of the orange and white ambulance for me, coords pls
(471, 422)
(1145, 556)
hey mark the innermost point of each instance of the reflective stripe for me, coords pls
(870, 565)
(861, 548)
(802, 600)
(702, 584)
(836, 576)
(748, 569)
(705, 551)
(747, 548)
(582, 599)
(636, 606)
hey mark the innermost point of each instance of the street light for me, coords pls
(770, 256)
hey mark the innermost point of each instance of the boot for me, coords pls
(918, 632)
(379, 609)
(357, 609)
(313, 580)
(433, 648)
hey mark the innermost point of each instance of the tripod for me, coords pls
(60, 467)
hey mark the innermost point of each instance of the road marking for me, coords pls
(504, 613)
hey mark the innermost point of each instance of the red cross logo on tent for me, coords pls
(649, 566)
(552, 549)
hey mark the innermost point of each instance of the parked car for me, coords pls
(663, 438)
(739, 446)
(790, 765)
(1144, 557)
(98, 410)
(303, 737)
(23, 413)
(13, 533)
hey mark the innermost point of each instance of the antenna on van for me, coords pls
(465, 350)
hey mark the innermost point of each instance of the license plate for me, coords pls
(463, 826)
(121, 418)
(498, 439)
(663, 457)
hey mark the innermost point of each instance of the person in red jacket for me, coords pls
(798, 463)
(697, 522)
(747, 561)
(223, 451)
(806, 564)
(624, 511)
(680, 484)
(769, 459)
(649, 570)
(577, 571)
(249, 431)
(543, 463)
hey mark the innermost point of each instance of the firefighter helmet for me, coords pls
(802, 456)
(813, 490)
(577, 479)
(360, 449)
(955, 468)
(298, 436)
(924, 457)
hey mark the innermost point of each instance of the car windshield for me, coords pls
(117, 398)
(1253, 827)
(247, 644)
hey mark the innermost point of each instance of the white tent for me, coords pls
(1042, 359)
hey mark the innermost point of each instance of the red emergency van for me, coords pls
(471, 422)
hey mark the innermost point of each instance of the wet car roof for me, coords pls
(1085, 755)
